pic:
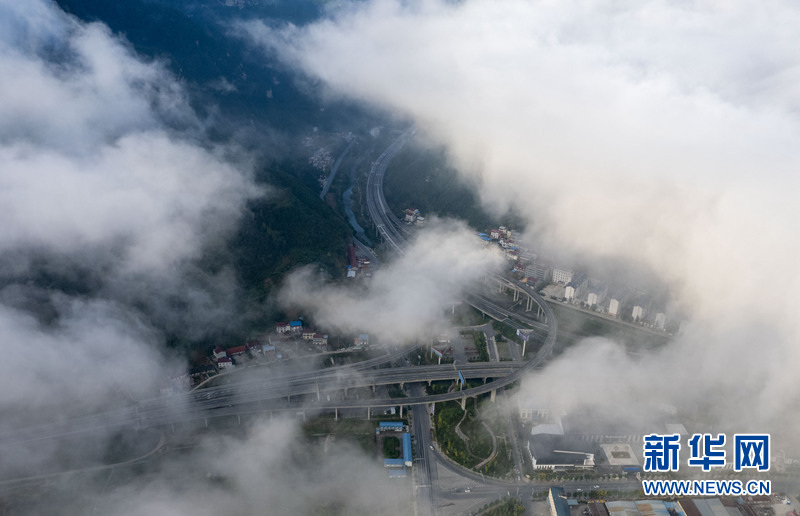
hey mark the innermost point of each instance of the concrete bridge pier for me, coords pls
(464, 403)
(494, 394)
(368, 413)
(206, 421)
(336, 414)
(529, 304)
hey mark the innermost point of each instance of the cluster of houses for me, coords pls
(504, 238)
(357, 265)
(226, 358)
(267, 347)
(291, 330)
(567, 285)
(412, 216)
(291, 338)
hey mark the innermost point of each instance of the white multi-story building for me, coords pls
(562, 275)
(613, 307)
(637, 313)
(661, 321)
(597, 292)
(578, 284)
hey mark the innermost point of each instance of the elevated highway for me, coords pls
(275, 393)
(389, 227)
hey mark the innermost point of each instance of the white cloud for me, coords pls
(109, 199)
(660, 132)
(404, 300)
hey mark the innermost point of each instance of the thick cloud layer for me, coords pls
(661, 132)
(115, 212)
(404, 300)
(259, 467)
(267, 471)
(109, 201)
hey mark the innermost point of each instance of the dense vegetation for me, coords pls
(507, 332)
(421, 178)
(480, 346)
(506, 507)
(246, 97)
(448, 414)
(391, 447)
(290, 228)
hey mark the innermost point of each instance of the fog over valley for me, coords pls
(200, 295)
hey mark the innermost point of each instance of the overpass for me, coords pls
(394, 233)
(276, 393)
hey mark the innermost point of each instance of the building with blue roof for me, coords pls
(557, 500)
(407, 449)
(397, 473)
(389, 426)
(393, 463)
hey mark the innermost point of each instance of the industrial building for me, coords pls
(389, 426)
(557, 452)
(407, 449)
(557, 500)
(397, 467)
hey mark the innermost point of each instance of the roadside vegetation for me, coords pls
(439, 387)
(465, 436)
(356, 431)
(395, 391)
(504, 507)
(507, 331)
(480, 345)
(466, 315)
(422, 356)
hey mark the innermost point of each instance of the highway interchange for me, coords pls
(323, 389)
(430, 497)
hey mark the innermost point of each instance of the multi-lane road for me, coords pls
(391, 230)
(395, 233)
(326, 389)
